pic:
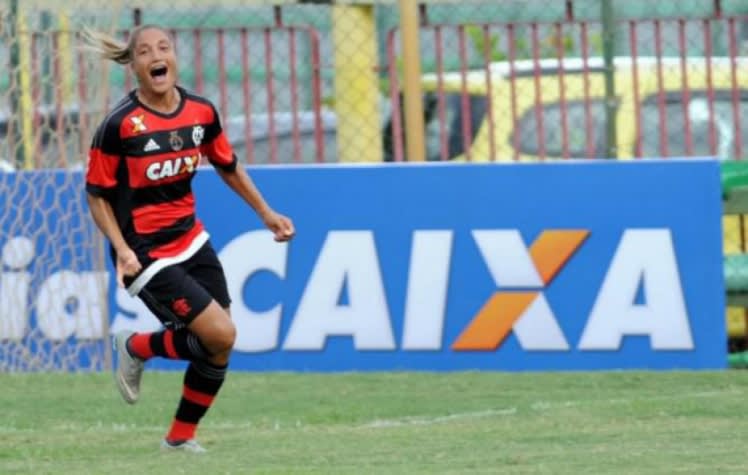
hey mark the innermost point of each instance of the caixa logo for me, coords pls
(65, 303)
(644, 260)
(519, 305)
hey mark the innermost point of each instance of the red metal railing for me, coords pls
(702, 54)
(281, 102)
(665, 64)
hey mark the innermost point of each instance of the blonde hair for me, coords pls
(111, 48)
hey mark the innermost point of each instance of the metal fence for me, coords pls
(502, 80)
(537, 90)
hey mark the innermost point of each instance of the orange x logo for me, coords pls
(547, 256)
(138, 122)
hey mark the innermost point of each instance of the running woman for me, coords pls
(143, 158)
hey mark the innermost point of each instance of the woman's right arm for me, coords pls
(103, 215)
(101, 179)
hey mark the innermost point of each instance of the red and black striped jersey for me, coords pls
(143, 161)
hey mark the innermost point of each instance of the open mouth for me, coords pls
(159, 72)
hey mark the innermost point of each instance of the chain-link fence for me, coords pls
(323, 81)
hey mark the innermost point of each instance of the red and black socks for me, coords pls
(172, 344)
(202, 380)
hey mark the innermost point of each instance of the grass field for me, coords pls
(562, 423)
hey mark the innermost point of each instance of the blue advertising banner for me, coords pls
(554, 266)
(53, 305)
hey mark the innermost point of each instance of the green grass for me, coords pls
(394, 423)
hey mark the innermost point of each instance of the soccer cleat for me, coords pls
(129, 369)
(190, 445)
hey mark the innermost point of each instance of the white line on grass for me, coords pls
(385, 423)
(427, 421)
(539, 406)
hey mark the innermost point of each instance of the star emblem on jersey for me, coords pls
(138, 124)
(175, 141)
(151, 146)
(198, 132)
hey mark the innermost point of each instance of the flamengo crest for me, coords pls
(198, 132)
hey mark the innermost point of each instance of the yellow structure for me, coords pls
(356, 83)
(412, 98)
(26, 102)
(66, 58)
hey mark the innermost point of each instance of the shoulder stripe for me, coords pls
(121, 107)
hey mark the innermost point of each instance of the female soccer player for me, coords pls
(141, 164)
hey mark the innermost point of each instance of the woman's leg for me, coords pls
(217, 334)
(197, 329)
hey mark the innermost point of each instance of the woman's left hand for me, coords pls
(281, 226)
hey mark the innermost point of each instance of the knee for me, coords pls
(216, 331)
(225, 338)
(222, 344)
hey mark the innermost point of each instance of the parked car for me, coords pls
(657, 101)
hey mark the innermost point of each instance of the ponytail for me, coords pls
(109, 47)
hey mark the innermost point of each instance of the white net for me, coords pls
(53, 280)
(55, 308)
(53, 311)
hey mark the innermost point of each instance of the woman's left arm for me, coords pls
(239, 181)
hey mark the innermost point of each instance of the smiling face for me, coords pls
(154, 61)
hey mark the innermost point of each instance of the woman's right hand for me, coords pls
(127, 265)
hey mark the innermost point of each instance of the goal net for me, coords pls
(249, 57)
(53, 279)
